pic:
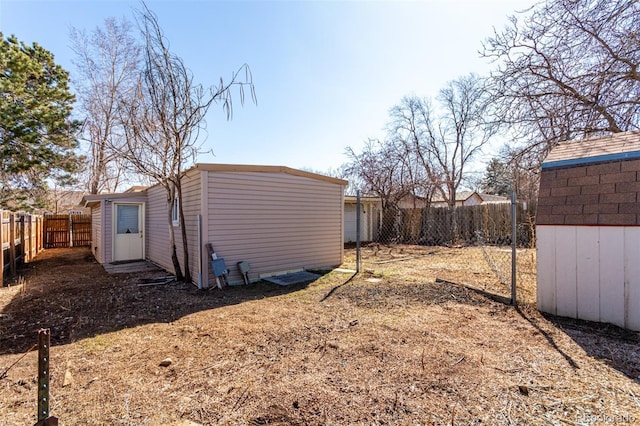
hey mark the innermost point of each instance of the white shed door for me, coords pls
(128, 237)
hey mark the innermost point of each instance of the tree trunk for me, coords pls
(172, 243)
(455, 232)
(183, 229)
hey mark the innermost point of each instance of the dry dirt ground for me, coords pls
(404, 343)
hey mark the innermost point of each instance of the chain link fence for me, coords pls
(470, 245)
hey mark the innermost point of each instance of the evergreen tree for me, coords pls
(37, 140)
(497, 178)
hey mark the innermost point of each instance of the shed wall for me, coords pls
(107, 231)
(157, 224)
(367, 222)
(590, 272)
(97, 227)
(276, 221)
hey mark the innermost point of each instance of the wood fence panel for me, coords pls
(81, 230)
(63, 230)
(12, 244)
(487, 223)
(56, 233)
(20, 240)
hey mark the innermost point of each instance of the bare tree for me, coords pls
(443, 141)
(567, 69)
(380, 171)
(164, 119)
(407, 129)
(107, 61)
(427, 150)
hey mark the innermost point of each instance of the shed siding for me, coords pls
(632, 278)
(566, 245)
(276, 221)
(546, 268)
(590, 273)
(107, 231)
(157, 240)
(158, 249)
(96, 232)
(191, 195)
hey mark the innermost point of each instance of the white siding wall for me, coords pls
(590, 272)
(367, 220)
(276, 221)
(350, 227)
(158, 249)
(96, 232)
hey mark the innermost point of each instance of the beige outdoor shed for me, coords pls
(276, 218)
(588, 230)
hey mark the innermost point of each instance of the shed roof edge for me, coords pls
(633, 155)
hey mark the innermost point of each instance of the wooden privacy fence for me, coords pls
(67, 230)
(485, 224)
(21, 237)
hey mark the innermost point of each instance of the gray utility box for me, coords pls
(218, 267)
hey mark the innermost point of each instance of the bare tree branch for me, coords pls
(107, 61)
(164, 118)
(567, 69)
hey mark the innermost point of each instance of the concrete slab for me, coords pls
(128, 267)
(293, 278)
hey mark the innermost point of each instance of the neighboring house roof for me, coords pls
(64, 201)
(137, 188)
(460, 196)
(463, 196)
(488, 198)
(617, 146)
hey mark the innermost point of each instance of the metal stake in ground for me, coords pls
(44, 341)
(358, 232)
(514, 232)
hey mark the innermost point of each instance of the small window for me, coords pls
(175, 212)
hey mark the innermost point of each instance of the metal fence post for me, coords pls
(21, 231)
(514, 231)
(201, 267)
(12, 244)
(358, 232)
(44, 342)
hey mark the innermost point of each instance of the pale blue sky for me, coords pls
(326, 73)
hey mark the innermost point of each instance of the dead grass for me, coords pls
(390, 346)
(487, 268)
